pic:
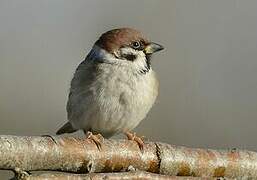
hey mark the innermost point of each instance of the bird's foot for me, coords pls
(134, 137)
(51, 137)
(97, 139)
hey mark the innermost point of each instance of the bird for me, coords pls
(114, 87)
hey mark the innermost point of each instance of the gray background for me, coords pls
(208, 71)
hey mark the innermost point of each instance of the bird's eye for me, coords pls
(136, 45)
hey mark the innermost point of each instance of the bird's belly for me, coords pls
(121, 106)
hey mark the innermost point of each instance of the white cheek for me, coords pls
(138, 64)
(140, 61)
(128, 50)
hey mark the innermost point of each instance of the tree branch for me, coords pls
(100, 176)
(82, 156)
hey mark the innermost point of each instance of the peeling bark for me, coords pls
(82, 156)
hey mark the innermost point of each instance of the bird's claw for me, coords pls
(51, 137)
(138, 140)
(97, 139)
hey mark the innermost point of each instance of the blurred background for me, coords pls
(207, 73)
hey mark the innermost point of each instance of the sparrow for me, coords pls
(114, 88)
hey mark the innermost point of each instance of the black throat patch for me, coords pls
(147, 67)
(148, 60)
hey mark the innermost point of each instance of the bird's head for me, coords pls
(125, 46)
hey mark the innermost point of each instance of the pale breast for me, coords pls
(123, 100)
(109, 99)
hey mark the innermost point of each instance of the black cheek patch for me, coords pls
(130, 57)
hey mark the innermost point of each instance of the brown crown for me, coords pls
(116, 38)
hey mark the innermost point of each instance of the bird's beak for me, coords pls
(152, 48)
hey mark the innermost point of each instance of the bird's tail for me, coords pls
(66, 128)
